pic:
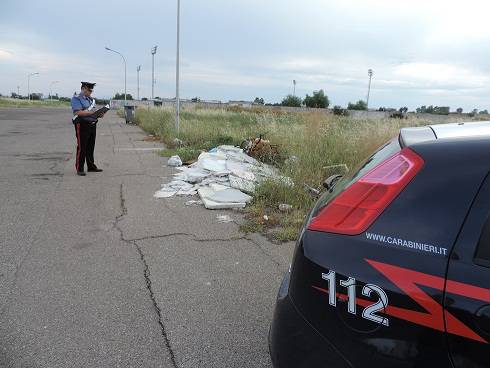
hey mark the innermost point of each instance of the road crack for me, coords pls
(146, 273)
(155, 305)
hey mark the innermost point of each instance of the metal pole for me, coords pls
(18, 90)
(29, 84)
(138, 81)
(152, 76)
(153, 52)
(177, 77)
(124, 60)
(51, 89)
(294, 87)
(370, 74)
(124, 81)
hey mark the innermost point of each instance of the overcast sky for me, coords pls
(422, 52)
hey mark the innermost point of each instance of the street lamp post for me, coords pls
(153, 52)
(124, 60)
(51, 88)
(138, 69)
(29, 84)
(177, 72)
(370, 74)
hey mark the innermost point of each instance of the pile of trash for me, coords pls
(222, 177)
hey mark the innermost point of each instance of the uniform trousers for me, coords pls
(85, 133)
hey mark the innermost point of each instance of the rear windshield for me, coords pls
(386, 151)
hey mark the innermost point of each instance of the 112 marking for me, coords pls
(369, 312)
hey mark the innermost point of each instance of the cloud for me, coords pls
(422, 52)
(5, 54)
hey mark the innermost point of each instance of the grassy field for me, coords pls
(319, 141)
(14, 102)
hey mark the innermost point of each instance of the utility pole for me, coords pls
(153, 52)
(177, 72)
(51, 89)
(294, 87)
(124, 60)
(29, 84)
(370, 74)
(138, 69)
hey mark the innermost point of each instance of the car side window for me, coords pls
(482, 255)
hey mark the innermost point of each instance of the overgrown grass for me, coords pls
(320, 143)
(185, 153)
(14, 102)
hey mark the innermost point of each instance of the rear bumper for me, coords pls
(293, 343)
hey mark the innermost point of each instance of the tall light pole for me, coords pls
(177, 73)
(370, 74)
(124, 60)
(138, 69)
(51, 88)
(29, 84)
(294, 87)
(153, 52)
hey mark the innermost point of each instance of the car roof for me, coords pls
(410, 136)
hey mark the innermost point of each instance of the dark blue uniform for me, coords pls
(85, 130)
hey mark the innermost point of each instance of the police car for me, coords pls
(392, 267)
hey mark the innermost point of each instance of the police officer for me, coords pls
(83, 106)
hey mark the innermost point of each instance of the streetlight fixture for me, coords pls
(177, 73)
(294, 87)
(153, 52)
(370, 74)
(124, 60)
(138, 69)
(29, 84)
(51, 88)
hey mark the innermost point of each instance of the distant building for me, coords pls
(240, 103)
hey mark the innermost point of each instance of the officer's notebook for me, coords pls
(101, 111)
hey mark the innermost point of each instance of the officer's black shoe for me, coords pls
(94, 169)
(81, 173)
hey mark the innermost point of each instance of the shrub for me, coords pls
(359, 105)
(318, 100)
(339, 111)
(292, 101)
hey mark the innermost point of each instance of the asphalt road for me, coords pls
(95, 272)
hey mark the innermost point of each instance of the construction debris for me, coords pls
(194, 203)
(221, 177)
(224, 219)
(283, 207)
(152, 138)
(174, 161)
(261, 149)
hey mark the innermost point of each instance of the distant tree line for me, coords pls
(317, 100)
(120, 96)
(439, 110)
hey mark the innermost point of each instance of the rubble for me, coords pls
(174, 161)
(224, 219)
(222, 177)
(283, 207)
(261, 149)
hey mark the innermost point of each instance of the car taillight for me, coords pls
(356, 208)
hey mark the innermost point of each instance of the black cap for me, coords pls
(88, 84)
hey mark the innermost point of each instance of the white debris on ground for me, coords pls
(224, 219)
(174, 161)
(221, 177)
